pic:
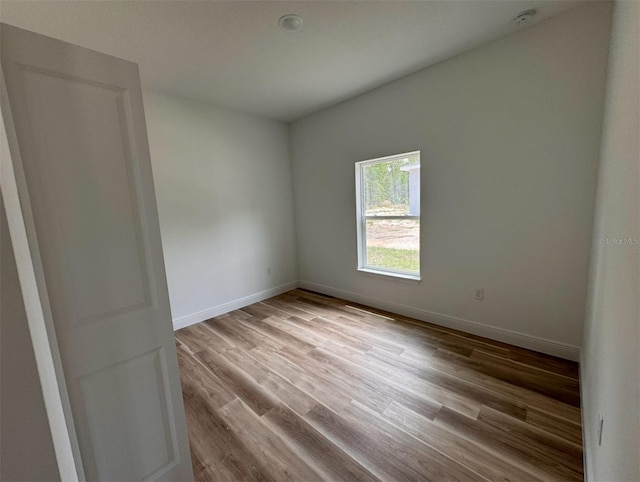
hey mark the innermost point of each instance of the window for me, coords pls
(388, 211)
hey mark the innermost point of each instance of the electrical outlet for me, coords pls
(479, 294)
(600, 426)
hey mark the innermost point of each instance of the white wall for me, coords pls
(611, 350)
(26, 448)
(509, 134)
(223, 187)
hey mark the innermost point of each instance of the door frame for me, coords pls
(36, 301)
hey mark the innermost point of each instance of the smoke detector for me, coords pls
(525, 17)
(290, 21)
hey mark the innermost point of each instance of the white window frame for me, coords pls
(361, 220)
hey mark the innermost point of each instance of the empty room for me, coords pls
(320, 240)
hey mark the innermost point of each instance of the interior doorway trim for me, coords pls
(31, 277)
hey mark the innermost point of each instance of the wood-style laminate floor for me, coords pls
(305, 387)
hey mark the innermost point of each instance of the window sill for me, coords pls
(408, 278)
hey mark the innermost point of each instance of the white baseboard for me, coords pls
(543, 345)
(218, 310)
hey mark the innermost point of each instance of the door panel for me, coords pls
(113, 392)
(89, 194)
(80, 128)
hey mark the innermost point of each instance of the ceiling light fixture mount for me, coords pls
(290, 21)
(524, 17)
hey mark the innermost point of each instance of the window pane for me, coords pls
(393, 244)
(388, 190)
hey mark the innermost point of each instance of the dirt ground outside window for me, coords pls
(396, 233)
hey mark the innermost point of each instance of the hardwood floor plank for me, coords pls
(344, 381)
(287, 309)
(377, 338)
(322, 328)
(534, 440)
(217, 452)
(422, 458)
(237, 381)
(197, 338)
(228, 331)
(478, 459)
(386, 366)
(540, 361)
(279, 387)
(279, 335)
(313, 386)
(363, 446)
(439, 336)
(392, 390)
(302, 333)
(354, 325)
(246, 327)
(258, 312)
(565, 429)
(236, 314)
(307, 387)
(278, 458)
(555, 386)
(198, 381)
(533, 359)
(468, 370)
(453, 385)
(320, 453)
(414, 335)
(522, 444)
(378, 316)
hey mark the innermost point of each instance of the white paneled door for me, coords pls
(80, 160)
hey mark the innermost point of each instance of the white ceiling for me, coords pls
(232, 53)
